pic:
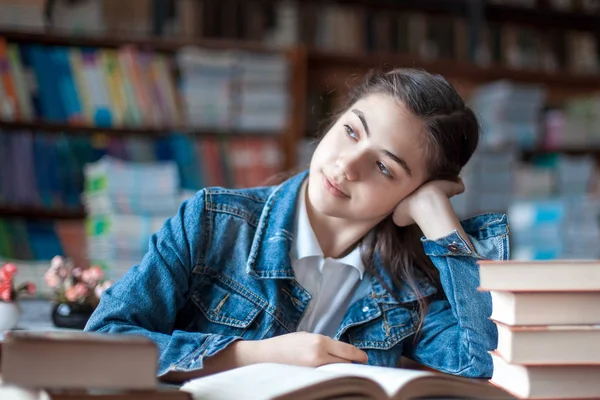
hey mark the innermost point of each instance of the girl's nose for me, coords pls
(349, 163)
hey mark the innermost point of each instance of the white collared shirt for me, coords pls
(330, 282)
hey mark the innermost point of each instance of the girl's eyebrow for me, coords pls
(400, 161)
(391, 155)
(362, 118)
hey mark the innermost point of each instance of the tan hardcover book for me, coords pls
(549, 344)
(78, 360)
(533, 276)
(547, 381)
(336, 381)
(546, 308)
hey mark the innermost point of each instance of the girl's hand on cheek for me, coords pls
(425, 199)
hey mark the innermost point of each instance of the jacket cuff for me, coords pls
(211, 345)
(452, 244)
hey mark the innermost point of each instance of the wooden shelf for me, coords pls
(571, 151)
(538, 16)
(428, 6)
(153, 43)
(82, 130)
(34, 212)
(449, 69)
(542, 17)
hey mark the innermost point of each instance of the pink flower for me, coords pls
(52, 279)
(76, 292)
(92, 275)
(76, 272)
(57, 262)
(10, 268)
(62, 272)
(87, 277)
(5, 275)
(5, 293)
(97, 272)
(71, 294)
(31, 288)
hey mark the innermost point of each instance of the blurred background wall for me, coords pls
(114, 111)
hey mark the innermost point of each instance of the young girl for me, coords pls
(359, 259)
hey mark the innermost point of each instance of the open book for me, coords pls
(336, 381)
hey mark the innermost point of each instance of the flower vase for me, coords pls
(71, 315)
(9, 315)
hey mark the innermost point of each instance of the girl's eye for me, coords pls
(383, 169)
(350, 132)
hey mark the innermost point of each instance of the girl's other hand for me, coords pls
(404, 213)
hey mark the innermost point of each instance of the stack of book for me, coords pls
(127, 202)
(548, 323)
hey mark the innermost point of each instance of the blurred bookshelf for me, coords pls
(120, 131)
(42, 213)
(546, 53)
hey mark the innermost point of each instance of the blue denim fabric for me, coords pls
(220, 271)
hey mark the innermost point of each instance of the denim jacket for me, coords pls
(220, 271)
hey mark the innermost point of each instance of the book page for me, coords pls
(257, 382)
(390, 379)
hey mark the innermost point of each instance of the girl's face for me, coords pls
(369, 161)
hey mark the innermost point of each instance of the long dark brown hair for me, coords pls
(450, 136)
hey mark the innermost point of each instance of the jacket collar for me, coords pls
(274, 237)
(275, 232)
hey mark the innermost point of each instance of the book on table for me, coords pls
(78, 360)
(336, 381)
(545, 308)
(548, 322)
(546, 381)
(533, 276)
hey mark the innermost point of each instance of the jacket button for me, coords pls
(453, 248)
(365, 309)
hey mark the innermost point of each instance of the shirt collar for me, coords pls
(305, 242)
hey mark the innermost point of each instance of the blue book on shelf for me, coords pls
(66, 84)
(27, 60)
(187, 162)
(43, 240)
(45, 71)
(41, 154)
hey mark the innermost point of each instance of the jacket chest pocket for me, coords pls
(386, 331)
(224, 309)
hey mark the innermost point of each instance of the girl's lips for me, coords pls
(333, 187)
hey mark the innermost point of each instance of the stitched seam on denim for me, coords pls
(237, 194)
(240, 289)
(506, 242)
(272, 311)
(248, 217)
(183, 363)
(266, 332)
(219, 319)
(291, 296)
(209, 222)
(201, 246)
(385, 344)
(466, 332)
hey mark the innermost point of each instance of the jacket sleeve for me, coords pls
(147, 299)
(457, 333)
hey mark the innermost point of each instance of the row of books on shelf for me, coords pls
(335, 27)
(46, 170)
(510, 114)
(553, 203)
(266, 22)
(353, 30)
(128, 87)
(548, 327)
